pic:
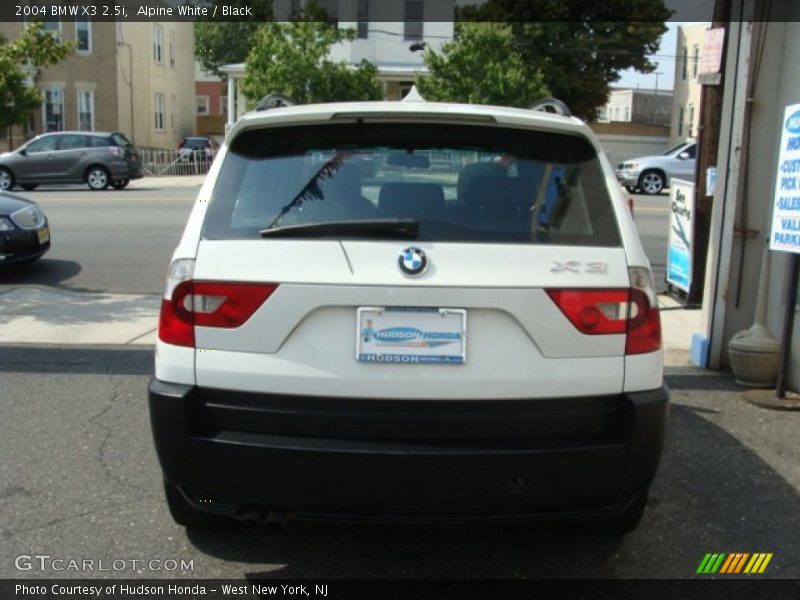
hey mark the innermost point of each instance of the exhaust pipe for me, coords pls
(273, 520)
(276, 521)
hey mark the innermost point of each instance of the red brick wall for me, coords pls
(212, 89)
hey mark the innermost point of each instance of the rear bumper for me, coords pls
(123, 169)
(334, 458)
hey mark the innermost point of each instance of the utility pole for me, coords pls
(655, 99)
(707, 146)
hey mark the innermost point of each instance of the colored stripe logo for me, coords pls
(734, 563)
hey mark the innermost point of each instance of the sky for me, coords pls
(665, 59)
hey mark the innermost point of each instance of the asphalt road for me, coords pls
(79, 480)
(111, 241)
(122, 241)
(651, 214)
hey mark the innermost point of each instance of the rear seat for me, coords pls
(411, 199)
(500, 197)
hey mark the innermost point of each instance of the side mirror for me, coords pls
(23, 151)
(684, 156)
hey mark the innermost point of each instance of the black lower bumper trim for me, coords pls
(408, 460)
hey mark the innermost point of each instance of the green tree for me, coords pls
(219, 43)
(583, 45)
(292, 58)
(33, 49)
(483, 67)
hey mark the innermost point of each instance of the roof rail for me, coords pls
(551, 105)
(274, 100)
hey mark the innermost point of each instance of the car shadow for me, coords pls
(44, 271)
(712, 494)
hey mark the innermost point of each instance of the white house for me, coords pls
(391, 35)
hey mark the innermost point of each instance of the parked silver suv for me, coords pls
(652, 174)
(98, 159)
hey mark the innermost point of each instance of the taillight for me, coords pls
(594, 312)
(632, 311)
(644, 325)
(225, 305)
(117, 151)
(188, 303)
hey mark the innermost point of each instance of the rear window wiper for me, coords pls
(372, 228)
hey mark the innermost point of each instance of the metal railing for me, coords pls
(159, 162)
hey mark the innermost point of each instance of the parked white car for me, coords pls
(446, 337)
(652, 174)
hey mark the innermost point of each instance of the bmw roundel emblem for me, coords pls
(412, 261)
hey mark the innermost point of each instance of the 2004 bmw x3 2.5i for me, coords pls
(467, 330)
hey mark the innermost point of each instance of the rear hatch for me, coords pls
(467, 262)
(129, 151)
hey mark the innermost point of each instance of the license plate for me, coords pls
(406, 335)
(44, 235)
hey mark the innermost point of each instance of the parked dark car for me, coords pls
(200, 148)
(24, 230)
(97, 159)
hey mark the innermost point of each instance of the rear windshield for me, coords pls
(195, 143)
(461, 183)
(120, 140)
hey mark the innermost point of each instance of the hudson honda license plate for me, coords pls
(405, 335)
(44, 235)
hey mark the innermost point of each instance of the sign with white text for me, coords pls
(785, 234)
(681, 227)
(713, 42)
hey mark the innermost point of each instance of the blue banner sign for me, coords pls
(681, 228)
(785, 234)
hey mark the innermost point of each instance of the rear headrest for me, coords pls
(470, 172)
(411, 199)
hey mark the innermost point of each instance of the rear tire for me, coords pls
(118, 185)
(97, 178)
(6, 180)
(185, 514)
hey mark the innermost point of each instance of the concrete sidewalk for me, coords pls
(48, 315)
(168, 181)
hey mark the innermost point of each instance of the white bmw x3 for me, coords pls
(409, 311)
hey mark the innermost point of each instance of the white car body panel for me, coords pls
(300, 341)
(644, 371)
(175, 364)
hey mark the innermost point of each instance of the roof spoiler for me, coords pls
(274, 100)
(551, 105)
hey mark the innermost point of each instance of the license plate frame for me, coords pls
(411, 335)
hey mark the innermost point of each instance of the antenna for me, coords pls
(274, 100)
